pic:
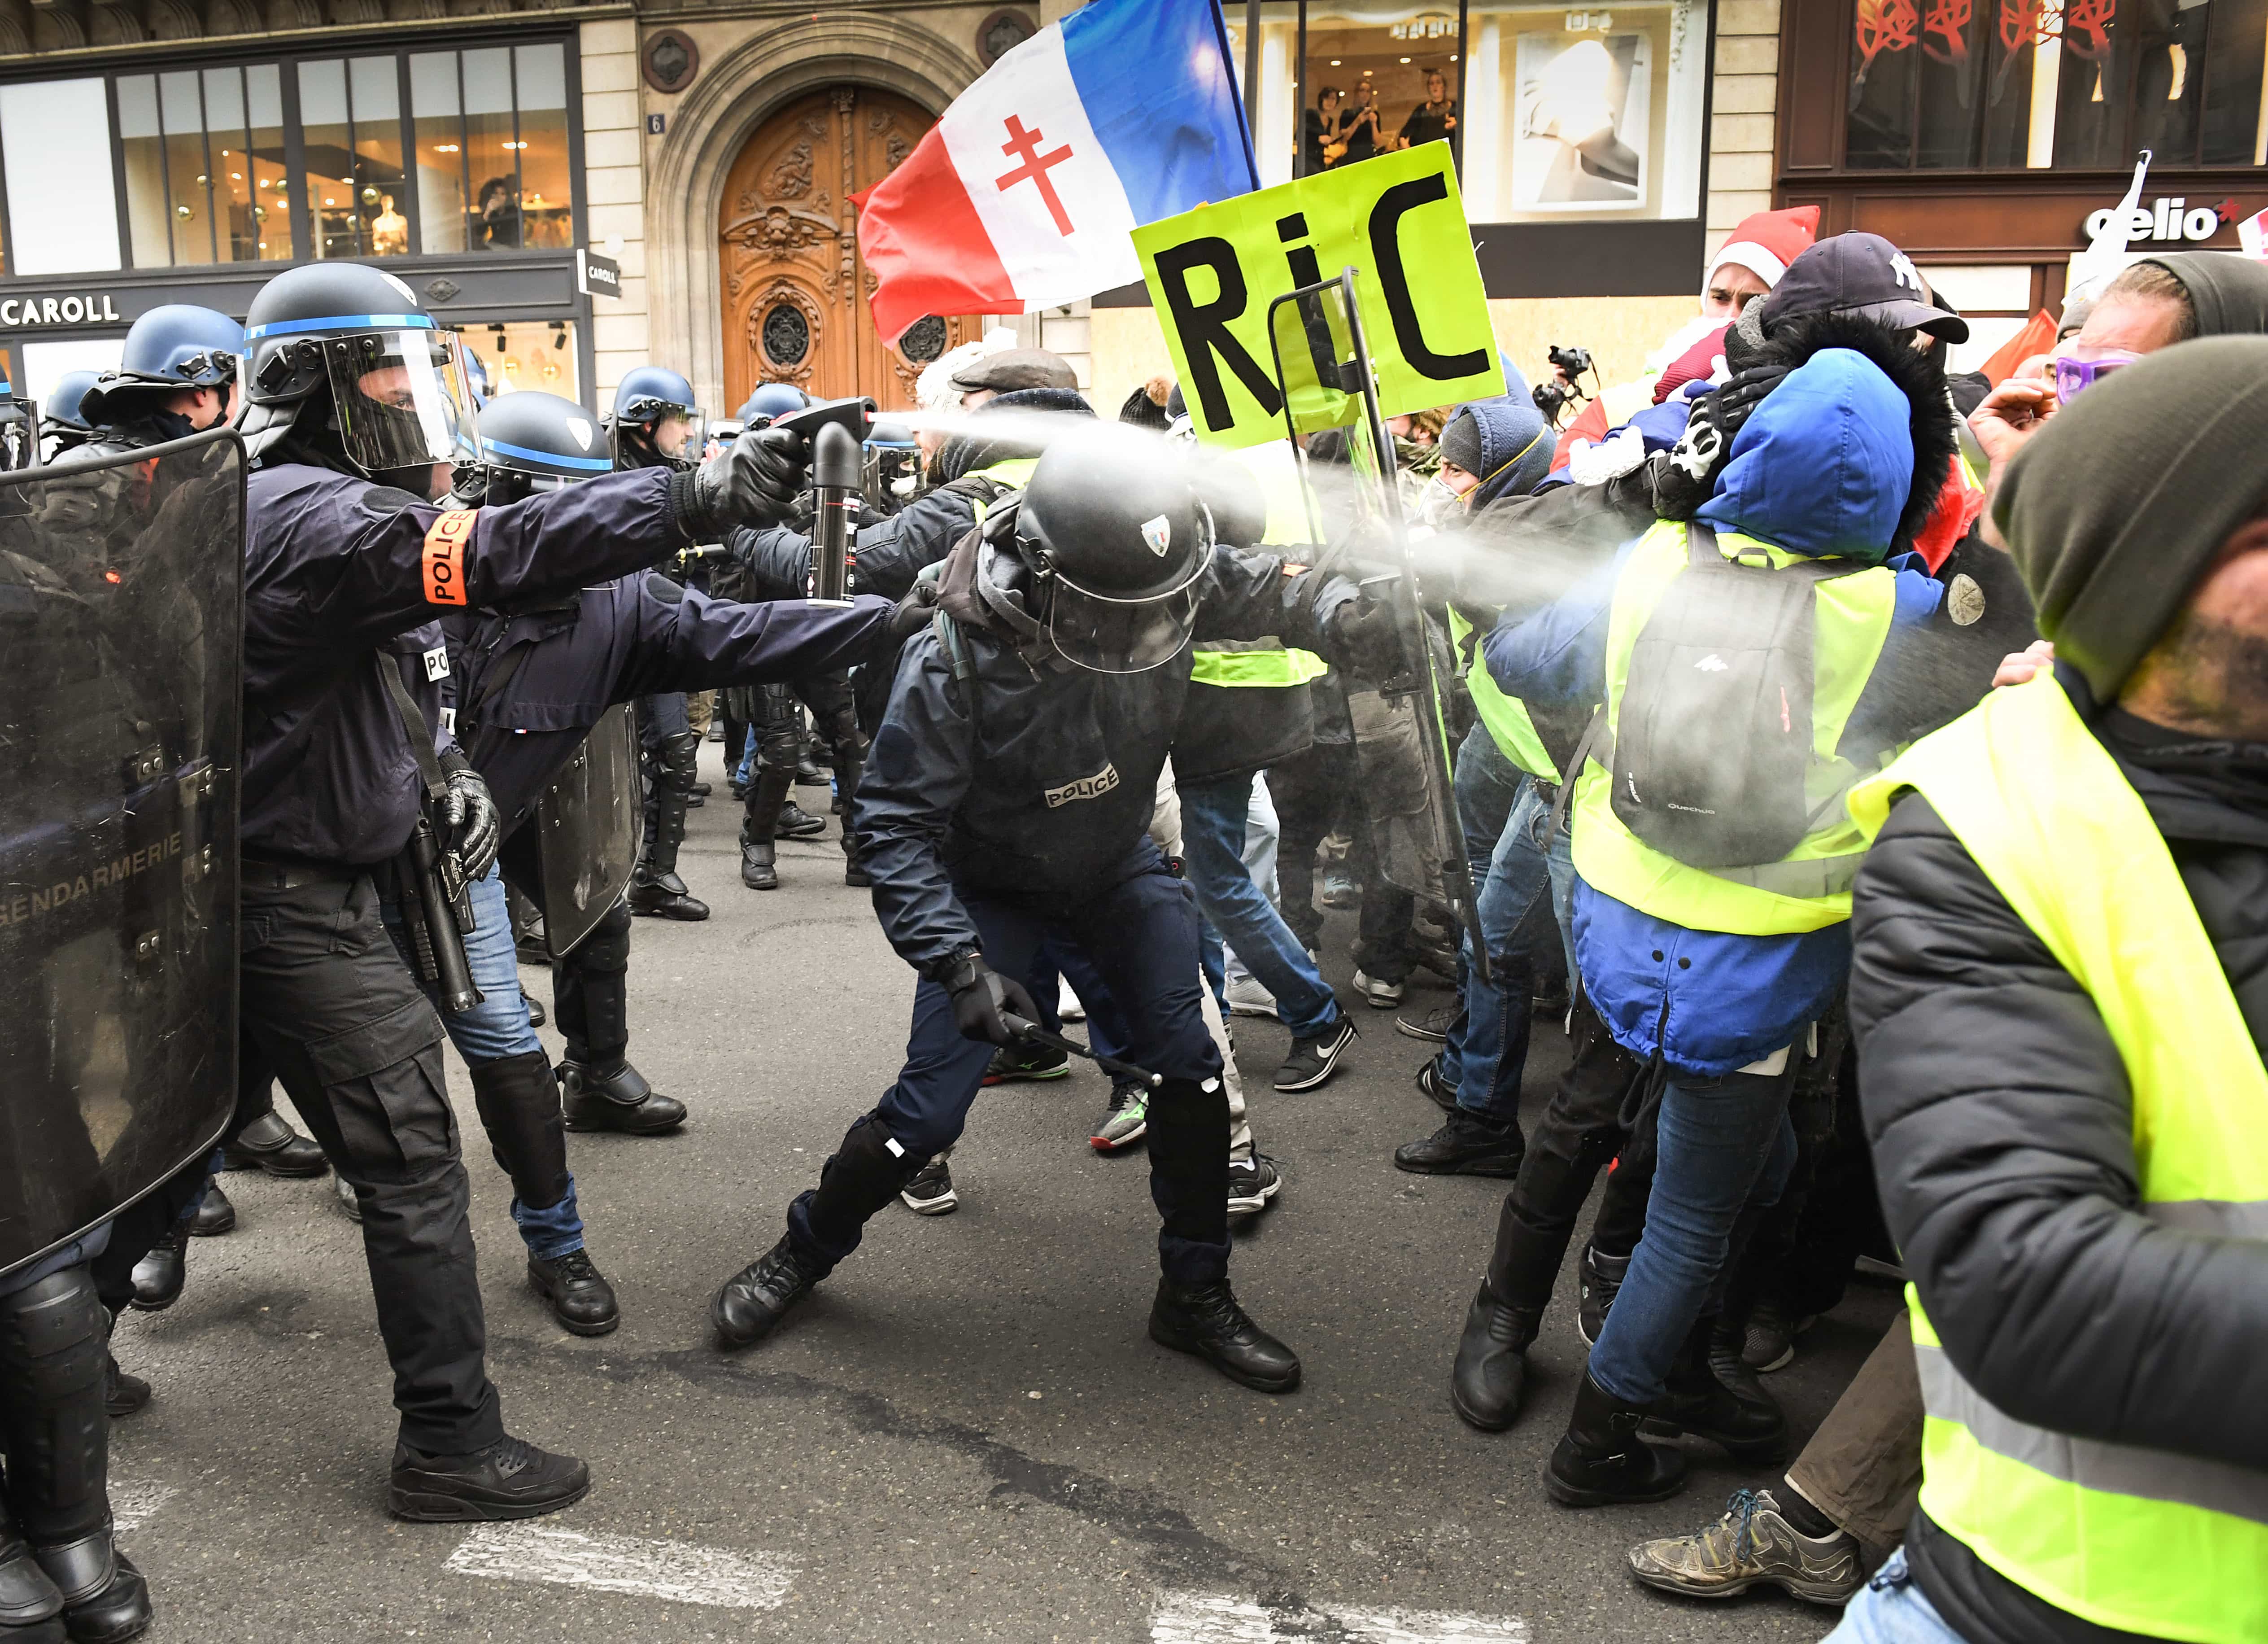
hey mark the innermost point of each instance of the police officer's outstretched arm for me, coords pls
(684, 640)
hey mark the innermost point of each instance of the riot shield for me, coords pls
(1401, 740)
(589, 825)
(121, 617)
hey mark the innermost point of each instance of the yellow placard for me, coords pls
(1397, 219)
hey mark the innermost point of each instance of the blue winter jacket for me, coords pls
(1822, 467)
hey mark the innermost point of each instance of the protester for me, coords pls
(2076, 1188)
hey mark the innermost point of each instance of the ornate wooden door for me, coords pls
(795, 290)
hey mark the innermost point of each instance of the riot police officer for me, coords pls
(352, 404)
(1006, 803)
(657, 423)
(531, 683)
(176, 374)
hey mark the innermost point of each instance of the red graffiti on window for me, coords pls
(1881, 25)
(1949, 20)
(2086, 27)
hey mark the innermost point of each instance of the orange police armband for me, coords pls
(445, 541)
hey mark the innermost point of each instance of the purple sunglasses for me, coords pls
(2073, 375)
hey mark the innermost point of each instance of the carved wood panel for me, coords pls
(795, 292)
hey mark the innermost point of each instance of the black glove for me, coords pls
(915, 611)
(754, 480)
(982, 996)
(1366, 638)
(1685, 476)
(475, 827)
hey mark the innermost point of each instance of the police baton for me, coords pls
(1037, 1034)
(437, 916)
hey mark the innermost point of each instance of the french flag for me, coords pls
(1022, 196)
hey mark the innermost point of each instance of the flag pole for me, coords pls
(1252, 68)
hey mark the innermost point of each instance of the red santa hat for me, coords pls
(1766, 242)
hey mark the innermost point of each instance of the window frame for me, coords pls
(287, 58)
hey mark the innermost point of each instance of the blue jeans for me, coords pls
(1890, 1609)
(1719, 1142)
(1487, 1048)
(496, 1027)
(1213, 816)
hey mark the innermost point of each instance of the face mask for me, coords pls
(1437, 504)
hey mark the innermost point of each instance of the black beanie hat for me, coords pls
(2116, 509)
(1461, 442)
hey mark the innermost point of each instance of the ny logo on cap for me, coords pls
(1902, 266)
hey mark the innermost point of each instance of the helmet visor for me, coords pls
(1114, 636)
(402, 398)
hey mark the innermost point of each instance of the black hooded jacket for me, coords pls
(2003, 1124)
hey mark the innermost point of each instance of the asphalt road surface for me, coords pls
(965, 1433)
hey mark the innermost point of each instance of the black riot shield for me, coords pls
(1401, 740)
(591, 824)
(121, 619)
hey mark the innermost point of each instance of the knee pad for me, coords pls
(518, 1104)
(607, 949)
(52, 1334)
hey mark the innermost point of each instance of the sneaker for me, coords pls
(1753, 1545)
(1067, 1005)
(122, 1394)
(1247, 998)
(1252, 1183)
(1336, 889)
(1466, 1144)
(1770, 1344)
(1378, 995)
(1126, 1121)
(931, 1192)
(510, 1478)
(1432, 1026)
(1602, 1277)
(1315, 1057)
(1026, 1063)
(1438, 1091)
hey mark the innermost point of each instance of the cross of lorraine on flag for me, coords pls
(1022, 196)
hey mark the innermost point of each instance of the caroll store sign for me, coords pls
(91, 308)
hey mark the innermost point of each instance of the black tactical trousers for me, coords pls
(328, 1005)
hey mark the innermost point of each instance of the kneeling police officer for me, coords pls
(353, 398)
(1006, 802)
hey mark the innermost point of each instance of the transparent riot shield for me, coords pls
(1401, 740)
(121, 614)
(590, 824)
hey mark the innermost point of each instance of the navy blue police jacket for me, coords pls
(338, 569)
(1036, 789)
(886, 557)
(636, 636)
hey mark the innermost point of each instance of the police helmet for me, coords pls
(646, 398)
(64, 416)
(1110, 550)
(355, 335)
(773, 400)
(174, 346)
(533, 442)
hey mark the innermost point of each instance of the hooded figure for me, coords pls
(1503, 442)
(2228, 294)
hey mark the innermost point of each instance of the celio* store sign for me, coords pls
(92, 308)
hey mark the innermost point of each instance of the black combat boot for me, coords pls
(1206, 1321)
(795, 823)
(160, 1273)
(655, 888)
(1747, 1422)
(576, 1293)
(615, 1098)
(53, 1359)
(759, 869)
(1491, 1372)
(1600, 1460)
(31, 1608)
(757, 1297)
(1601, 1278)
(510, 1478)
(269, 1143)
(214, 1215)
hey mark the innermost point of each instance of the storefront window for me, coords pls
(437, 115)
(546, 218)
(203, 156)
(62, 206)
(492, 148)
(2043, 83)
(534, 354)
(351, 112)
(1554, 115)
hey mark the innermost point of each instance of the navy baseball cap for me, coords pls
(1864, 274)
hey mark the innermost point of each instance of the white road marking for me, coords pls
(626, 1564)
(1218, 1618)
(134, 1505)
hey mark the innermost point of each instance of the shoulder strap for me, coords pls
(412, 723)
